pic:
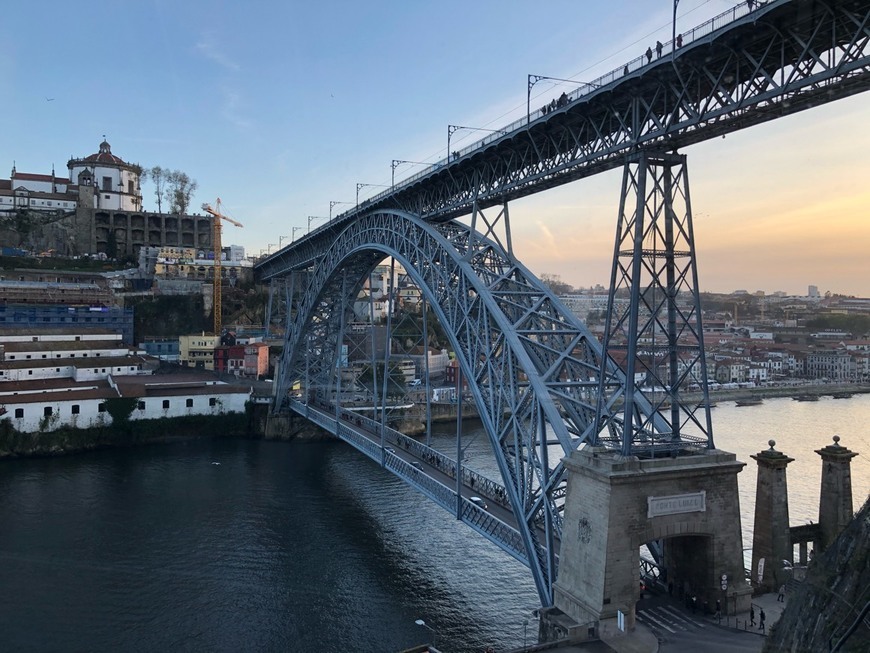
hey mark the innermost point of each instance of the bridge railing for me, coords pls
(481, 484)
(704, 29)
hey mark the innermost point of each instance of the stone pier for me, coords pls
(835, 497)
(615, 504)
(771, 539)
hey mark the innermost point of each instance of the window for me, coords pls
(75, 409)
(30, 372)
(107, 184)
(189, 403)
(19, 413)
(212, 401)
(47, 411)
(101, 408)
(165, 404)
(140, 405)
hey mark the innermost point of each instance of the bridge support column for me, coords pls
(771, 538)
(658, 332)
(616, 503)
(835, 497)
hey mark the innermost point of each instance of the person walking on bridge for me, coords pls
(751, 615)
(659, 47)
(761, 620)
(781, 596)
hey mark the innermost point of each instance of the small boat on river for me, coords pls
(842, 395)
(750, 401)
(806, 398)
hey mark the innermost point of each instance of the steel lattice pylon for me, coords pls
(534, 370)
(658, 336)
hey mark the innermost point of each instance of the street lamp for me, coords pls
(293, 236)
(420, 622)
(358, 186)
(269, 248)
(333, 203)
(397, 162)
(311, 218)
(534, 79)
(281, 240)
(451, 129)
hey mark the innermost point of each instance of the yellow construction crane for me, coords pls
(216, 241)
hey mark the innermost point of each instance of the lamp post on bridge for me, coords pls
(293, 236)
(398, 162)
(334, 203)
(359, 186)
(452, 129)
(420, 622)
(281, 240)
(312, 218)
(531, 80)
(269, 248)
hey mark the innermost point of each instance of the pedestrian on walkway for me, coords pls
(718, 609)
(761, 620)
(659, 48)
(751, 615)
(781, 595)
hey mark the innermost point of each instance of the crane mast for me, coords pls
(218, 274)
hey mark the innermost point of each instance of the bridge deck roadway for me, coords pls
(429, 471)
(740, 69)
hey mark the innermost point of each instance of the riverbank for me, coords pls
(14, 444)
(793, 391)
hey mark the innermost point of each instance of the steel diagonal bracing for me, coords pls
(531, 366)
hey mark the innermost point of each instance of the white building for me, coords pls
(40, 406)
(65, 379)
(116, 182)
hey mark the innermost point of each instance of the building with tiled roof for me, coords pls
(49, 383)
(116, 183)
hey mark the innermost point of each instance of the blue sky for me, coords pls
(280, 108)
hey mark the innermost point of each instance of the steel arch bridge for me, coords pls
(541, 384)
(536, 375)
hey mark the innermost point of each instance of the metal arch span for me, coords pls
(531, 366)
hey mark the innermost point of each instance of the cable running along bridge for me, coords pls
(541, 384)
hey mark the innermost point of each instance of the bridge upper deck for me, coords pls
(742, 68)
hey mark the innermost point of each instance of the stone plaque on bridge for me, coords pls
(676, 503)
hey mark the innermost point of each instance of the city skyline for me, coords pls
(282, 110)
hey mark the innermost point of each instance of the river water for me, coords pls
(301, 546)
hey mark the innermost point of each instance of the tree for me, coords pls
(554, 282)
(158, 176)
(179, 191)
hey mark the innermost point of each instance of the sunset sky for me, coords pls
(279, 108)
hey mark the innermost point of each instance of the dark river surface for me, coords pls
(301, 546)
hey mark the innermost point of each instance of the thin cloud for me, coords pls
(231, 110)
(208, 49)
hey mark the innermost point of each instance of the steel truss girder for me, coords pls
(659, 332)
(532, 367)
(784, 57)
